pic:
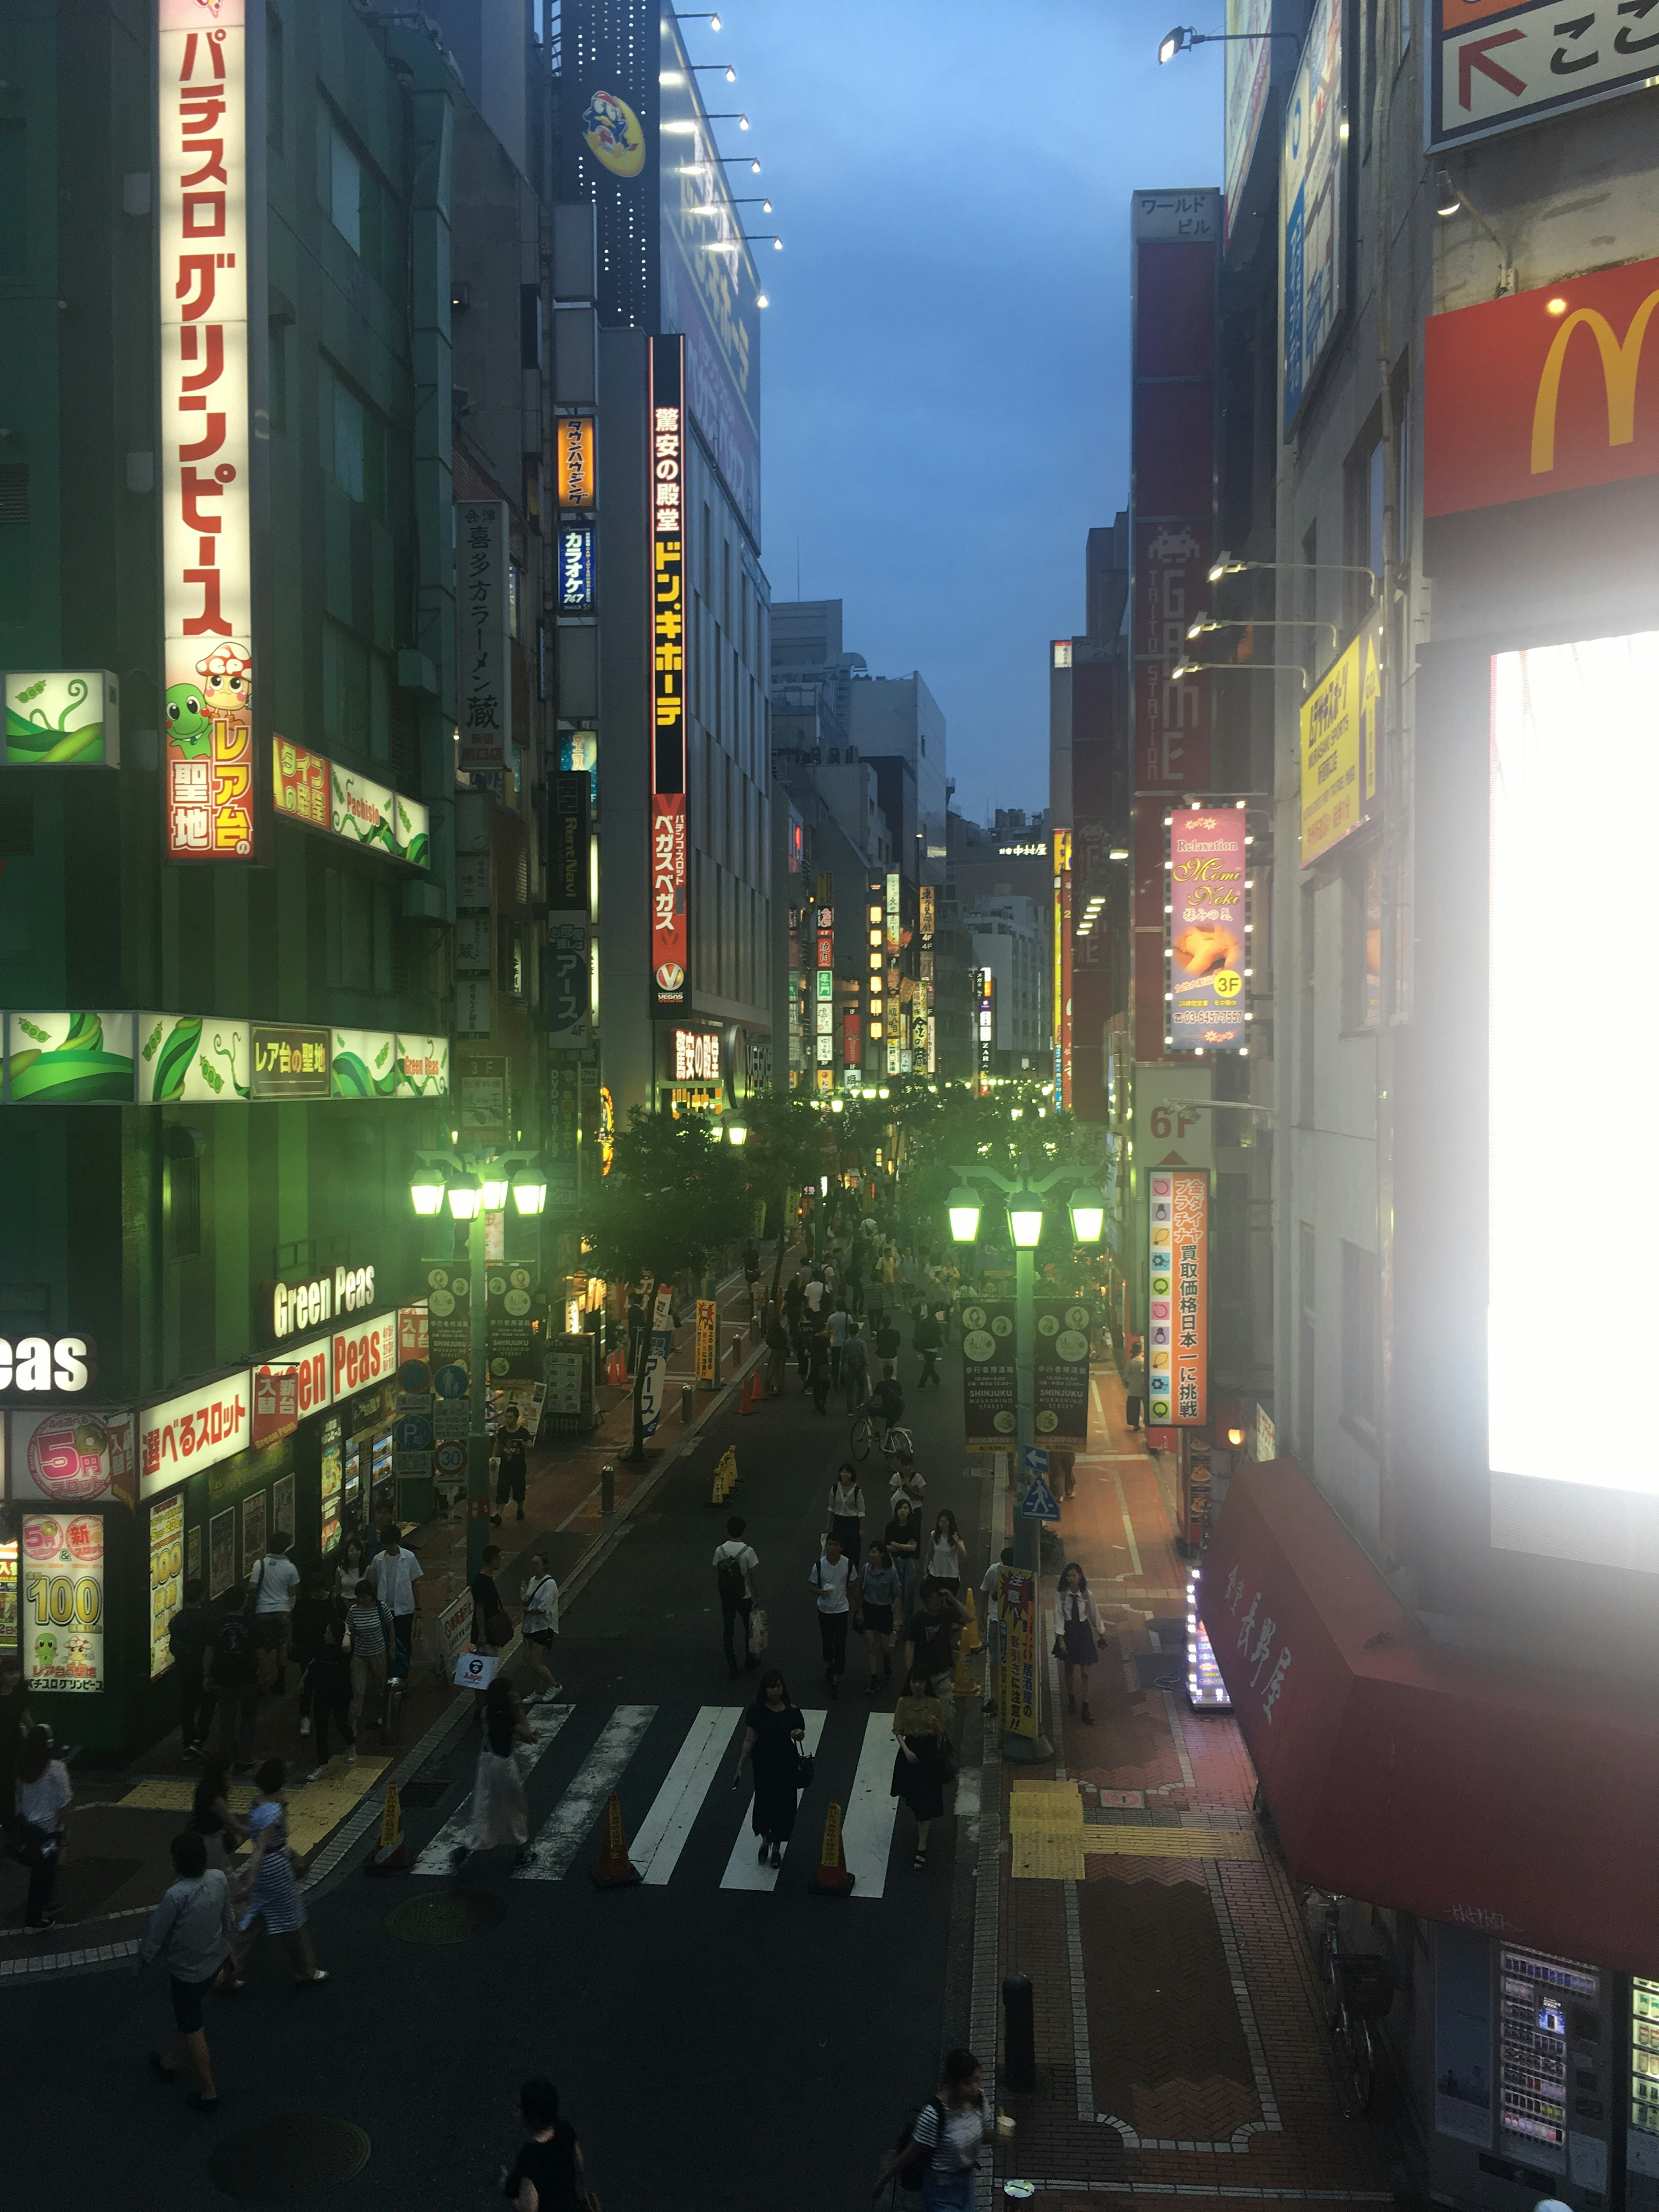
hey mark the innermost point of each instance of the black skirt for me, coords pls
(921, 1786)
(877, 1620)
(1080, 1644)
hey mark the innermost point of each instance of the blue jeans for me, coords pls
(947, 2192)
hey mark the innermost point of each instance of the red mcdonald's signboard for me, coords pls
(1554, 390)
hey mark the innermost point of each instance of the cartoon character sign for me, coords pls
(613, 135)
(209, 758)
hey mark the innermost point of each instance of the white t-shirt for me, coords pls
(42, 1800)
(394, 1575)
(832, 1578)
(847, 1504)
(956, 2146)
(746, 1557)
(277, 1580)
(944, 1561)
(987, 1590)
(814, 1296)
(541, 1606)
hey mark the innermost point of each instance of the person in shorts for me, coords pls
(540, 1624)
(511, 1460)
(275, 1585)
(189, 1932)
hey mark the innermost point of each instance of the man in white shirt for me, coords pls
(735, 1563)
(275, 1584)
(987, 1590)
(394, 1573)
(838, 1323)
(828, 1582)
(814, 1293)
(540, 1624)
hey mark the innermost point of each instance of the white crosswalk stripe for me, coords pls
(742, 1871)
(556, 1843)
(700, 1759)
(444, 1853)
(866, 1827)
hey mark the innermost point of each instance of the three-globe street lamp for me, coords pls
(471, 1189)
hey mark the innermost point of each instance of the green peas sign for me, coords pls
(62, 719)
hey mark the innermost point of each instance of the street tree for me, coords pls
(788, 1148)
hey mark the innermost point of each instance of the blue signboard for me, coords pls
(577, 566)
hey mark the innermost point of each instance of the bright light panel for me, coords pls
(1575, 734)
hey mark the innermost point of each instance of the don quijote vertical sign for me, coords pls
(207, 595)
(670, 952)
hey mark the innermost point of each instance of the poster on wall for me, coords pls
(8, 1596)
(193, 1555)
(221, 1552)
(1015, 1631)
(1177, 1299)
(167, 1576)
(1060, 1373)
(254, 1532)
(1208, 943)
(62, 1608)
(281, 1507)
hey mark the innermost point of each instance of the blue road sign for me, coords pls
(450, 1382)
(412, 1433)
(1039, 1503)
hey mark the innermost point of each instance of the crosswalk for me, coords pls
(694, 1799)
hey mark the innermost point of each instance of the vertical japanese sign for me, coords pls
(1060, 1372)
(707, 1343)
(569, 996)
(64, 1601)
(824, 1005)
(1062, 852)
(1177, 1298)
(895, 926)
(1208, 947)
(572, 452)
(483, 675)
(1338, 745)
(669, 944)
(207, 596)
(1015, 1635)
(1310, 184)
(167, 1576)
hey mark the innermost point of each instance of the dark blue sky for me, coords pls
(945, 361)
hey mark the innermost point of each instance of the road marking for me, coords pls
(558, 1840)
(866, 1827)
(656, 1849)
(1128, 1525)
(448, 1848)
(742, 1870)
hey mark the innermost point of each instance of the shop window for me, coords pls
(184, 1191)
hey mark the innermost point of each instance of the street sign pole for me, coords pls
(1028, 1530)
(477, 1442)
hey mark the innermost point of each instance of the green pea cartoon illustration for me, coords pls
(190, 731)
(46, 1653)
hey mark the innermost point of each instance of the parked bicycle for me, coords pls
(1359, 1988)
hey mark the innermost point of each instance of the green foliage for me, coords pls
(788, 1145)
(673, 1198)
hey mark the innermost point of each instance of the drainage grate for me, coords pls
(289, 2156)
(454, 1916)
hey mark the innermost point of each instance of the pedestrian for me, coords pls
(188, 1634)
(846, 1511)
(987, 1590)
(794, 1300)
(927, 1635)
(329, 1680)
(501, 1811)
(368, 1624)
(276, 1585)
(232, 1674)
(774, 1729)
(512, 1461)
(211, 1819)
(548, 2175)
(855, 1368)
(906, 1479)
(814, 1293)
(928, 1339)
(1062, 1471)
(903, 1538)
(395, 1573)
(735, 1563)
(888, 1341)
(540, 1624)
(777, 1349)
(947, 1555)
(491, 1627)
(14, 1726)
(829, 1581)
(921, 1765)
(313, 1609)
(1134, 1387)
(942, 2154)
(817, 1359)
(837, 1324)
(273, 1896)
(40, 1798)
(1081, 1630)
(349, 1569)
(752, 1269)
(189, 1932)
(879, 1589)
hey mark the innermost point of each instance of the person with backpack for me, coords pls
(855, 1368)
(938, 2151)
(188, 1634)
(232, 1673)
(735, 1563)
(276, 1585)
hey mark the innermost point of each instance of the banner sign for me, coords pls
(484, 678)
(1339, 746)
(670, 952)
(64, 1601)
(207, 604)
(707, 1344)
(573, 459)
(62, 718)
(1208, 945)
(71, 1456)
(1060, 1372)
(300, 781)
(1486, 75)
(1248, 68)
(1542, 392)
(167, 1576)
(1312, 285)
(577, 572)
(1014, 1635)
(194, 1431)
(1177, 1300)
(988, 1378)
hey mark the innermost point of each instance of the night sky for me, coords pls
(944, 362)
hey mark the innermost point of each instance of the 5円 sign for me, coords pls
(1177, 1298)
(206, 534)
(669, 941)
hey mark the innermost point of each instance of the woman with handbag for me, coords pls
(1078, 1626)
(772, 1738)
(540, 1624)
(274, 1895)
(923, 1765)
(501, 1811)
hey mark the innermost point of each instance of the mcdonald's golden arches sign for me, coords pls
(1554, 390)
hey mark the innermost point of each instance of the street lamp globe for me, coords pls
(426, 1190)
(495, 1189)
(1088, 1211)
(530, 1190)
(1025, 1219)
(962, 1206)
(465, 1199)
(737, 1133)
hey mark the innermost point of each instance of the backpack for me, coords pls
(729, 1578)
(233, 1653)
(909, 2175)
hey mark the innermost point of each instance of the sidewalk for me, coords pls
(117, 1863)
(1181, 2045)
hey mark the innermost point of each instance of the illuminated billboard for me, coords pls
(669, 950)
(1338, 745)
(1206, 928)
(1312, 268)
(1177, 1298)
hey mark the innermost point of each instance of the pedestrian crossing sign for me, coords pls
(1039, 1503)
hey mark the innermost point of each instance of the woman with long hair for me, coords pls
(771, 1739)
(921, 1765)
(903, 1539)
(947, 1555)
(349, 1568)
(879, 1589)
(501, 1811)
(1079, 1626)
(941, 2153)
(846, 1511)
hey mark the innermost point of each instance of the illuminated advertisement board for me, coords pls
(167, 1576)
(576, 584)
(68, 718)
(1311, 271)
(1485, 77)
(1338, 745)
(1208, 948)
(64, 1601)
(669, 942)
(300, 783)
(195, 1429)
(1177, 1298)
(206, 536)
(573, 459)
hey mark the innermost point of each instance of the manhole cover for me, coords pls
(289, 2156)
(454, 1916)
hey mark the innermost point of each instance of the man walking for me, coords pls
(887, 1345)
(233, 1678)
(735, 1563)
(928, 1339)
(1134, 1387)
(837, 1326)
(511, 1440)
(189, 1932)
(276, 1585)
(777, 1350)
(188, 1634)
(854, 1369)
(394, 1573)
(828, 1582)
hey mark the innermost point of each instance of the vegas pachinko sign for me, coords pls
(206, 537)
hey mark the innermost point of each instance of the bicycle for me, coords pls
(1359, 1987)
(896, 1443)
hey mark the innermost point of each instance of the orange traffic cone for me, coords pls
(614, 1870)
(746, 1403)
(971, 1640)
(391, 1855)
(832, 1878)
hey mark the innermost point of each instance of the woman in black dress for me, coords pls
(922, 1766)
(772, 1738)
(1077, 1619)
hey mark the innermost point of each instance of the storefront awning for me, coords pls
(1523, 1803)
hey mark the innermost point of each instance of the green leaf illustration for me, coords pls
(169, 1076)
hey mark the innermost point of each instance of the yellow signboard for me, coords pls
(1015, 1632)
(1339, 746)
(167, 1570)
(707, 1349)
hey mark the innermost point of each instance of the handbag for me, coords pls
(805, 1767)
(759, 1636)
(498, 1628)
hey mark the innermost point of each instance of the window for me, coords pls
(514, 597)
(1359, 1276)
(356, 694)
(530, 326)
(339, 180)
(354, 443)
(184, 1192)
(348, 427)
(276, 103)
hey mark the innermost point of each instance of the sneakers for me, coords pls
(764, 1849)
(318, 1773)
(351, 1754)
(777, 1854)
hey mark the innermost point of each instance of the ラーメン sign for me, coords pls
(670, 952)
(1206, 926)
(482, 675)
(1338, 745)
(206, 537)
(1177, 1298)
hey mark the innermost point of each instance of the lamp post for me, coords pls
(473, 1188)
(1025, 1216)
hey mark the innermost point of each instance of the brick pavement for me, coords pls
(1181, 2046)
